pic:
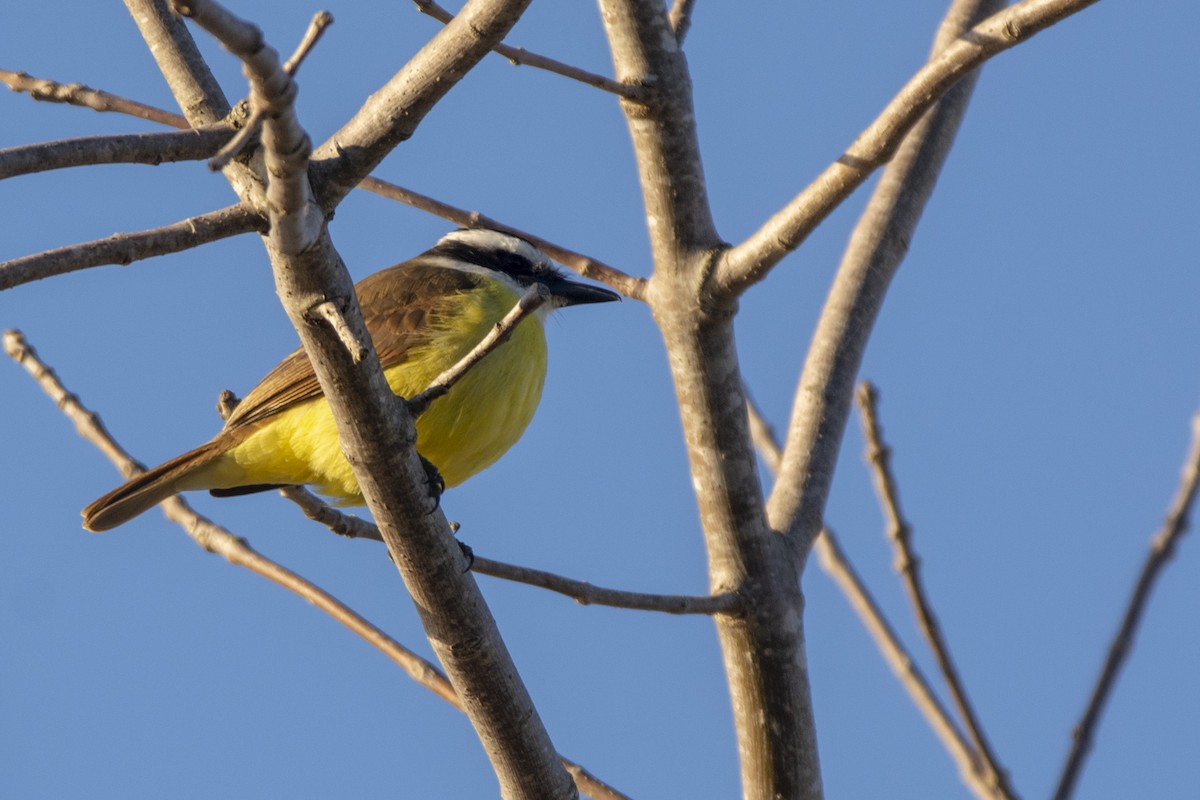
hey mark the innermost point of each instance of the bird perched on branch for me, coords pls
(424, 315)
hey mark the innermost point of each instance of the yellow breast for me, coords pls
(465, 431)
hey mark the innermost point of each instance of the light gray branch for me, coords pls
(377, 437)
(393, 113)
(125, 248)
(132, 148)
(876, 249)
(191, 81)
(763, 648)
(519, 56)
(750, 261)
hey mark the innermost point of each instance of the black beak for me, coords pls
(569, 293)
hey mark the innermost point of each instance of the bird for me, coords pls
(423, 315)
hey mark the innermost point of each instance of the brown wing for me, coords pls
(397, 303)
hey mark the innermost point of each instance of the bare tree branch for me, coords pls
(234, 549)
(747, 263)
(763, 650)
(834, 562)
(191, 82)
(250, 130)
(582, 592)
(393, 113)
(909, 567)
(125, 248)
(1162, 550)
(77, 94)
(133, 148)
(585, 266)
(586, 593)
(876, 249)
(763, 435)
(376, 432)
(519, 56)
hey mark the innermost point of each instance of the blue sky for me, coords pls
(1037, 359)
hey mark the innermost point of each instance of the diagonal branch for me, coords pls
(519, 56)
(749, 262)
(628, 285)
(586, 593)
(1162, 549)
(190, 80)
(250, 130)
(125, 248)
(393, 113)
(876, 249)
(909, 567)
(835, 564)
(534, 298)
(76, 94)
(376, 432)
(234, 549)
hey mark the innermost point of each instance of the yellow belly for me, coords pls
(465, 431)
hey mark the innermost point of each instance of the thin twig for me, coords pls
(909, 567)
(587, 267)
(582, 592)
(586, 593)
(125, 248)
(316, 509)
(77, 94)
(534, 298)
(216, 539)
(628, 285)
(1162, 549)
(835, 564)
(519, 56)
(316, 28)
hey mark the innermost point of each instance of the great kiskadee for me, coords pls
(424, 315)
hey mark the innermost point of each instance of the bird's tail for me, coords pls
(148, 489)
